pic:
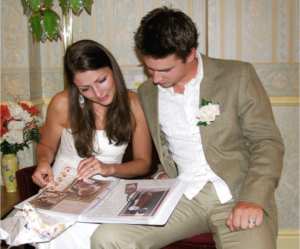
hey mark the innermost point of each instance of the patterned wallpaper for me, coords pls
(261, 32)
(264, 32)
(14, 51)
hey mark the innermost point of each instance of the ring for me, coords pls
(251, 221)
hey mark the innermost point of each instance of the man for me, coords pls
(212, 125)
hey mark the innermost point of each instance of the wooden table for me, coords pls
(8, 200)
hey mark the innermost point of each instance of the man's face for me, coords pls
(170, 70)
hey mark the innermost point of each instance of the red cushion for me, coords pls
(201, 241)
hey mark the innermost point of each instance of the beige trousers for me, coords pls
(202, 214)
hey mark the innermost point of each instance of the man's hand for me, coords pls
(245, 215)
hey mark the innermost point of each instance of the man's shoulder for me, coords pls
(225, 63)
(146, 87)
(147, 84)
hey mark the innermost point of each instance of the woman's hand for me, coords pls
(43, 174)
(161, 175)
(91, 166)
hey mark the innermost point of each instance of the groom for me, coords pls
(212, 125)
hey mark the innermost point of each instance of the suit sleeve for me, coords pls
(141, 93)
(263, 140)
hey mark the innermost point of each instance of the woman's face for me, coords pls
(96, 85)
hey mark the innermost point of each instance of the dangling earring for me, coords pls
(81, 100)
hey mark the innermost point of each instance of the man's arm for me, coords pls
(266, 153)
(265, 143)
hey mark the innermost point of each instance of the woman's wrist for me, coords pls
(42, 163)
(110, 170)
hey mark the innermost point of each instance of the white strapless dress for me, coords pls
(78, 235)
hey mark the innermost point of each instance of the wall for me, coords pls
(264, 32)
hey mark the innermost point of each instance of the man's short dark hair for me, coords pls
(165, 31)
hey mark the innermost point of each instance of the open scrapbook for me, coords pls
(109, 201)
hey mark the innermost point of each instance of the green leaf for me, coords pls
(7, 148)
(34, 5)
(36, 27)
(65, 5)
(202, 123)
(48, 4)
(205, 102)
(35, 135)
(76, 6)
(26, 8)
(51, 24)
(25, 3)
(88, 6)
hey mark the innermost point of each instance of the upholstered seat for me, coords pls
(200, 241)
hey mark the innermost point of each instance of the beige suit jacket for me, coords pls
(243, 145)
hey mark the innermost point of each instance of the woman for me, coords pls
(91, 123)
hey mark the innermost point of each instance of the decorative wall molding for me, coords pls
(285, 100)
(274, 100)
(288, 239)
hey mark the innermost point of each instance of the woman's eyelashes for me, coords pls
(84, 89)
(99, 81)
(102, 80)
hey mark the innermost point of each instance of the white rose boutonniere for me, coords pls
(207, 112)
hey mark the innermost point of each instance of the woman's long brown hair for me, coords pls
(86, 55)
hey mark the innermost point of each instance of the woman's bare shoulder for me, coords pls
(59, 107)
(133, 99)
(135, 104)
(60, 101)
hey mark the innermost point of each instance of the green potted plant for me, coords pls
(46, 24)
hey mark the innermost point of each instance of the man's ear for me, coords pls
(191, 56)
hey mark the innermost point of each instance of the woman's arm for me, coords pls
(141, 143)
(50, 136)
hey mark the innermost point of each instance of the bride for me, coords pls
(91, 123)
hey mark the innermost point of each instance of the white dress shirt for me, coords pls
(177, 118)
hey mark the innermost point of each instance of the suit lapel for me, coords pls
(207, 89)
(207, 86)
